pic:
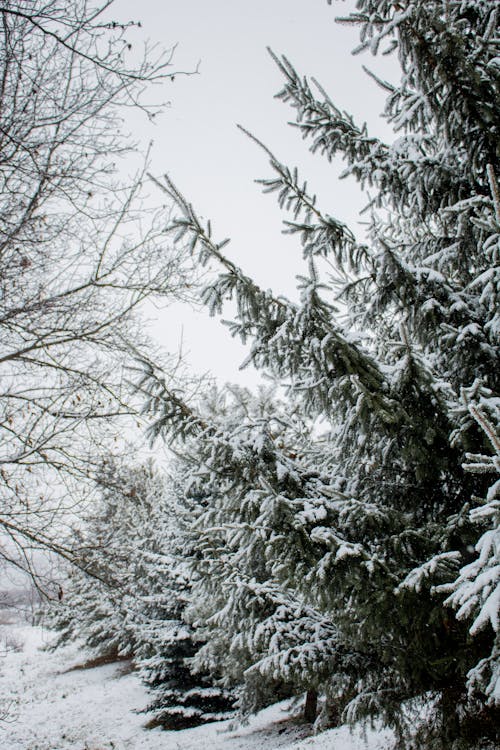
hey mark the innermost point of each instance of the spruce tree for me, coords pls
(128, 596)
(475, 593)
(372, 522)
(180, 697)
(98, 603)
(245, 456)
(248, 621)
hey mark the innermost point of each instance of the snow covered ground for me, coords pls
(51, 706)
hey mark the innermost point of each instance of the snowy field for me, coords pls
(52, 706)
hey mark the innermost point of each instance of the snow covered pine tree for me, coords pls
(239, 456)
(387, 523)
(102, 608)
(132, 603)
(166, 643)
(476, 591)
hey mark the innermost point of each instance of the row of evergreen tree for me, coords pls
(128, 596)
(340, 535)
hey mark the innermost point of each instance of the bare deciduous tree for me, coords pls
(78, 255)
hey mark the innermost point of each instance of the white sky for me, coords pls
(197, 142)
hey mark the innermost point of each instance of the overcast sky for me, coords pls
(197, 142)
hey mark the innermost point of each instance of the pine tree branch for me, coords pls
(268, 318)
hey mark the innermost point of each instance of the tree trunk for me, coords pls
(450, 723)
(332, 713)
(311, 706)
